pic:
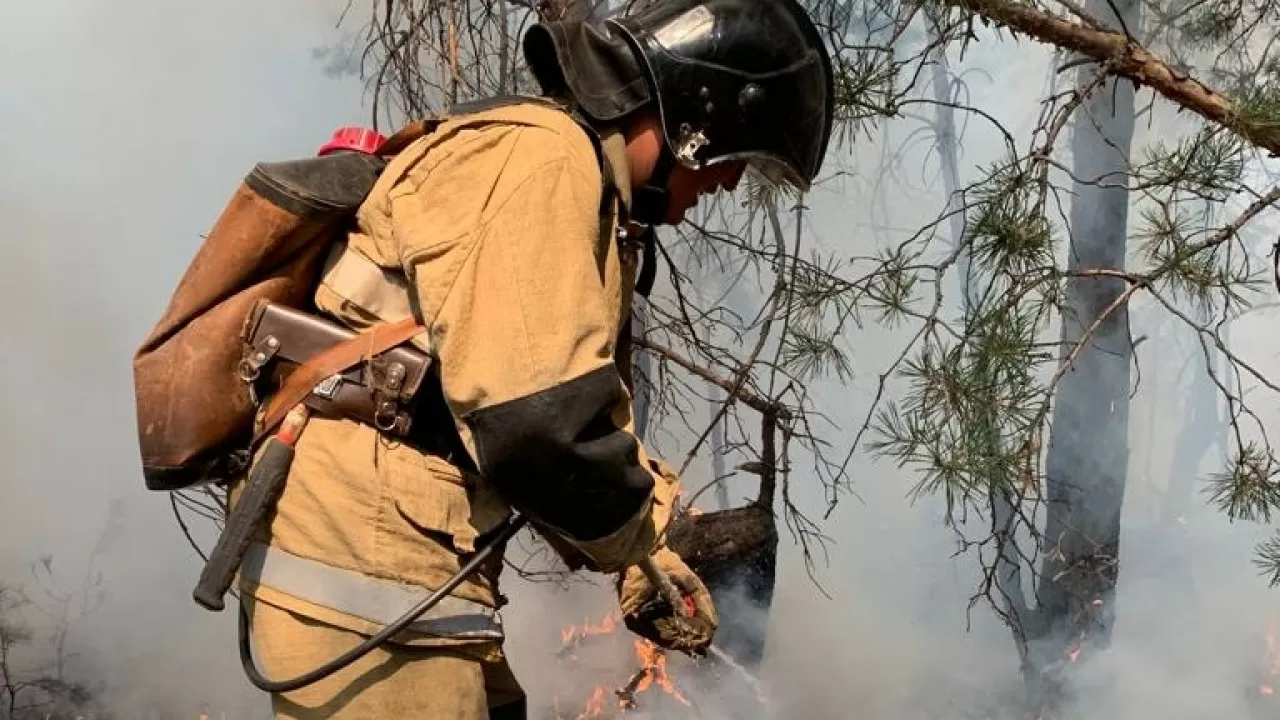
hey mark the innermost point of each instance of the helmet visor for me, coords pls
(761, 168)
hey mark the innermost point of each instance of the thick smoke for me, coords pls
(127, 125)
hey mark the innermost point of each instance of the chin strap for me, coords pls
(649, 267)
(649, 202)
(649, 205)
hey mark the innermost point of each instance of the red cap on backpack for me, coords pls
(353, 138)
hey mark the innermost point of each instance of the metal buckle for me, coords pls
(328, 388)
(250, 366)
(385, 417)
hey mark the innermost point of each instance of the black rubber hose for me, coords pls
(506, 532)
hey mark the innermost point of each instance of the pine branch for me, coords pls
(1268, 560)
(1248, 490)
(751, 400)
(1250, 118)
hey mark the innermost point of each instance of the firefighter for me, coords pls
(511, 234)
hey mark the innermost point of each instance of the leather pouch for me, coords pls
(277, 339)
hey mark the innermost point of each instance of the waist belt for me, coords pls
(374, 599)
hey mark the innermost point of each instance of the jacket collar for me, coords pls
(614, 147)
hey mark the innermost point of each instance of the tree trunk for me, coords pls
(640, 380)
(1088, 442)
(718, 449)
(1202, 430)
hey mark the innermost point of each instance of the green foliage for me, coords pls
(974, 398)
(1205, 25)
(1248, 489)
(1268, 560)
(891, 288)
(1187, 269)
(1259, 108)
(1208, 165)
(1008, 234)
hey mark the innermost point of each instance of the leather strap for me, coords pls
(364, 346)
(406, 135)
(649, 268)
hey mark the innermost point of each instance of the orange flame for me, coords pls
(570, 638)
(595, 706)
(652, 671)
(654, 666)
(1272, 659)
(575, 632)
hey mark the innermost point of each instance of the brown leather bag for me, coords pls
(195, 415)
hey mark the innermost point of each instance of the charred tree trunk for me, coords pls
(1088, 442)
(735, 552)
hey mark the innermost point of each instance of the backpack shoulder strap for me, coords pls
(415, 129)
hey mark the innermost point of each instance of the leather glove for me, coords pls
(648, 615)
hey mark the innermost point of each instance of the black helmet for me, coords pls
(737, 80)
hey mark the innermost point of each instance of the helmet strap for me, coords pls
(649, 202)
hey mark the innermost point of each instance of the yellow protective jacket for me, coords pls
(497, 233)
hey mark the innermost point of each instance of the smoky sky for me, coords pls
(124, 127)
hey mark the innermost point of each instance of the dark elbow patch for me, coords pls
(558, 456)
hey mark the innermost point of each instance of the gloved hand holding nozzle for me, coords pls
(663, 601)
(686, 612)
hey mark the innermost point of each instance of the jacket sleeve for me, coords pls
(522, 297)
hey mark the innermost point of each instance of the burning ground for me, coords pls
(886, 632)
(647, 682)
